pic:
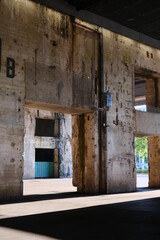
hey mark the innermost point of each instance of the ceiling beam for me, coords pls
(85, 4)
(64, 7)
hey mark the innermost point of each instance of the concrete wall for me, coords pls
(12, 93)
(59, 67)
(65, 146)
(147, 123)
(121, 57)
(61, 143)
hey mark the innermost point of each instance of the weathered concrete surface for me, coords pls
(152, 100)
(11, 108)
(85, 153)
(29, 145)
(62, 143)
(118, 72)
(154, 161)
(54, 76)
(85, 57)
(121, 58)
(58, 66)
(65, 146)
(147, 123)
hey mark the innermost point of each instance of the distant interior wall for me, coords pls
(60, 141)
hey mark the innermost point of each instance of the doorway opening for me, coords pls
(47, 151)
(146, 96)
(44, 163)
(141, 159)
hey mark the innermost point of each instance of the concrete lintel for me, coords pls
(57, 108)
(92, 18)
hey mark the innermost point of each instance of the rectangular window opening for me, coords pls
(47, 127)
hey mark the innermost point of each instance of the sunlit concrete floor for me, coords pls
(52, 186)
(142, 180)
(48, 186)
(52, 209)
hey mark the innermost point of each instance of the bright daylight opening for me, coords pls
(141, 158)
(141, 142)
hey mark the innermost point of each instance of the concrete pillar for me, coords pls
(65, 146)
(11, 143)
(85, 152)
(153, 142)
(154, 161)
(29, 143)
(56, 163)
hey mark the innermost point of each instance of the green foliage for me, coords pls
(142, 171)
(141, 146)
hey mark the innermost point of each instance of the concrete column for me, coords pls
(65, 146)
(85, 153)
(56, 163)
(153, 142)
(29, 144)
(154, 161)
(11, 143)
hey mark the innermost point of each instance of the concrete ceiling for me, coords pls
(135, 19)
(140, 15)
(143, 16)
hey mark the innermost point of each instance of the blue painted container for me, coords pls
(43, 169)
(47, 169)
(38, 169)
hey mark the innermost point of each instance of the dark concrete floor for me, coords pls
(49, 211)
(130, 220)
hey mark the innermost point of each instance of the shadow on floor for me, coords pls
(136, 220)
(42, 197)
(146, 189)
